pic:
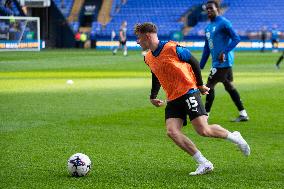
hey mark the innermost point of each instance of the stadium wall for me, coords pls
(247, 45)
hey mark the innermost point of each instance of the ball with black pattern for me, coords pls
(79, 165)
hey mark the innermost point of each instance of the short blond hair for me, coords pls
(146, 27)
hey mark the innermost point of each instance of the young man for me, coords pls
(275, 38)
(279, 60)
(220, 40)
(177, 71)
(122, 39)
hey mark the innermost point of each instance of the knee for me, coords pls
(205, 132)
(229, 87)
(172, 132)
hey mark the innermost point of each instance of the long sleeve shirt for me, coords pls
(219, 38)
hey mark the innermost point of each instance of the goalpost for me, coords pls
(19, 33)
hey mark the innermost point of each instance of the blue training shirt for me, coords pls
(274, 34)
(219, 37)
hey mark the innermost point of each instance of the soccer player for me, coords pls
(122, 39)
(275, 38)
(220, 40)
(177, 71)
(279, 60)
(263, 37)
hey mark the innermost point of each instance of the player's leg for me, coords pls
(124, 48)
(273, 45)
(234, 94)
(202, 127)
(279, 60)
(174, 126)
(211, 83)
(116, 49)
(209, 99)
(175, 115)
(197, 115)
(277, 44)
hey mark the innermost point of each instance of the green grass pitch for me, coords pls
(106, 114)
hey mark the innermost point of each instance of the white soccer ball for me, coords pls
(70, 82)
(79, 165)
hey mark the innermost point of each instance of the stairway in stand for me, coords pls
(75, 11)
(104, 14)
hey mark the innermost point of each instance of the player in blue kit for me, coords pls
(220, 40)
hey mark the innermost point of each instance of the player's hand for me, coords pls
(157, 102)
(204, 89)
(222, 57)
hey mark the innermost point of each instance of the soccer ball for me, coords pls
(79, 165)
(70, 82)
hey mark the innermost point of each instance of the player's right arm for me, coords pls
(205, 54)
(235, 39)
(154, 92)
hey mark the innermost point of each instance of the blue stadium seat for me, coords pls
(65, 8)
(244, 15)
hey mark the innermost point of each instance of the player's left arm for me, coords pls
(235, 40)
(186, 56)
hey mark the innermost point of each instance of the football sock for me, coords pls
(232, 138)
(124, 53)
(243, 113)
(199, 158)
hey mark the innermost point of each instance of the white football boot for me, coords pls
(124, 53)
(203, 168)
(242, 144)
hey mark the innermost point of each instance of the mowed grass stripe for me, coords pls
(70, 74)
(44, 121)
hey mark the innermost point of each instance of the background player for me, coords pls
(275, 38)
(122, 39)
(220, 40)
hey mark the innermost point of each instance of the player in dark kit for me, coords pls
(220, 40)
(279, 60)
(122, 39)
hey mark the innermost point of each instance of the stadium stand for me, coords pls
(252, 15)
(65, 6)
(246, 16)
(9, 8)
(249, 16)
(134, 11)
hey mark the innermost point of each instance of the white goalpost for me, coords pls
(19, 33)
